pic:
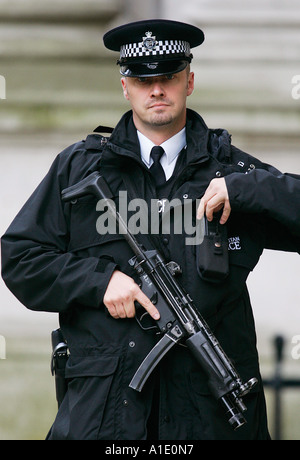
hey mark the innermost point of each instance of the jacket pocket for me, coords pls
(88, 400)
(89, 227)
(91, 366)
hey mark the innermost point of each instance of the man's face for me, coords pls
(159, 102)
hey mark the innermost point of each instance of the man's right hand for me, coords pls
(121, 293)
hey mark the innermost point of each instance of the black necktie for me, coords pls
(156, 169)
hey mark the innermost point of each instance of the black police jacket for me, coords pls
(54, 259)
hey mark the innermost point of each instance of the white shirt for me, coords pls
(172, 148)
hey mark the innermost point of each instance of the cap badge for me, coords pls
(149, 42)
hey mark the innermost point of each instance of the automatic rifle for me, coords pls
(180, 320)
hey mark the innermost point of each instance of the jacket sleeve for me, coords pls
(36, 264)
(274, 195)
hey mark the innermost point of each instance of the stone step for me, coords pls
(79, 95)
(58, 11)
(254, 45)
(39, 42)
(77, 41)
(234, 13)
(59, 75)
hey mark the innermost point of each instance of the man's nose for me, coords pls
(157, 89)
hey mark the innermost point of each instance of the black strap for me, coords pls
(103, 129)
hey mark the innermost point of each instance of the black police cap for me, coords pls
(153, 47)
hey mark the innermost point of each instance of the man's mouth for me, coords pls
(158, 105)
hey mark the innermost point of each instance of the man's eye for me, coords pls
(142, 79)
(170, 77)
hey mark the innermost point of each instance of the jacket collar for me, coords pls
(197, 134)
(172, 147)
(124, 140)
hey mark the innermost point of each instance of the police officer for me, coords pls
(54, 259)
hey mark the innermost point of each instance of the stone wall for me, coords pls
(60, 78)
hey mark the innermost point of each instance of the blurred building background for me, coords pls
(61, 83)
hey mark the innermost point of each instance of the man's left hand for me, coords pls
(214, 199)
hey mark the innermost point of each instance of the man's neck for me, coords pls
(159, 134)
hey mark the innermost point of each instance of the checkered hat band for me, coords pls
(161, 48)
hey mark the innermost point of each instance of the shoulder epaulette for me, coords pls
(103, 129)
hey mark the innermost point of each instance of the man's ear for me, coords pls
(124, 86)
(191, 83)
